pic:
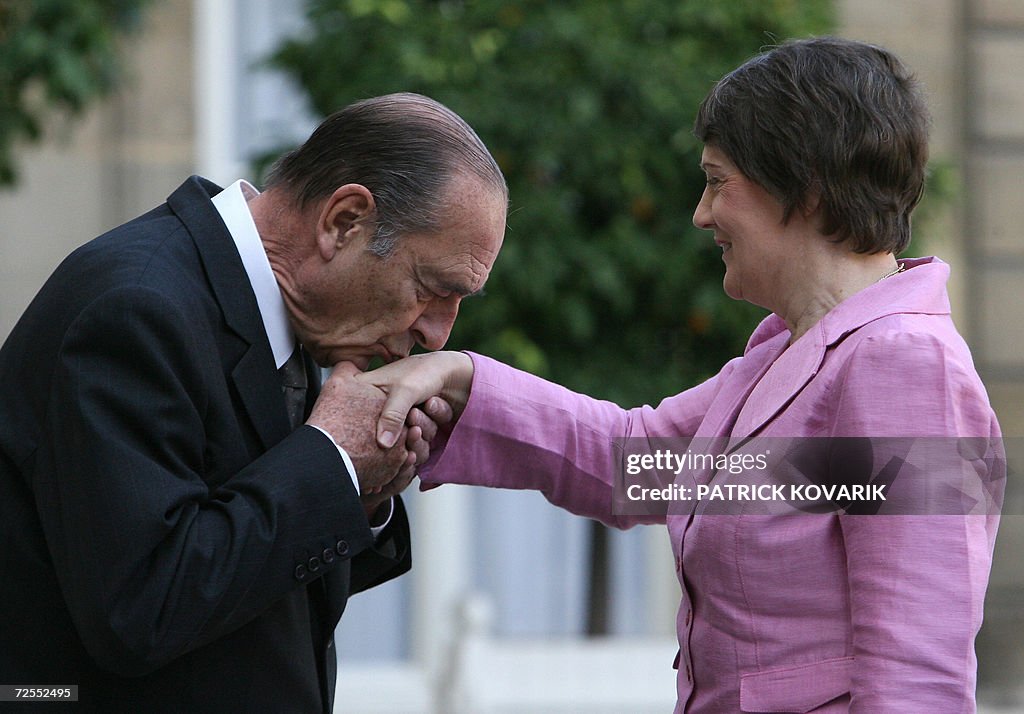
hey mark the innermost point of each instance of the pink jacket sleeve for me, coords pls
(916, 582)
(521, 432)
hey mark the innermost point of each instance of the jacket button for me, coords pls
(327, 556)
(342, 548)
(314, 564)
(301, 573)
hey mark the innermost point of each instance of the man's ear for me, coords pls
(347, 214)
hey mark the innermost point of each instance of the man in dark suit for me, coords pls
(168, 540)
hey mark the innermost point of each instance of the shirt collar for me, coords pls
(231, 204)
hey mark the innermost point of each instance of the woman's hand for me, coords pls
(440, 381)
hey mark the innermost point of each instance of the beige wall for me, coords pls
(924, 33)
(94, 173)
(970, 56)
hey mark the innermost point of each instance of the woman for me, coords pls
(815, 157)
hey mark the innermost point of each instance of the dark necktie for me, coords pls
(293, 382)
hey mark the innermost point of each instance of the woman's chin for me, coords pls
(731, 287)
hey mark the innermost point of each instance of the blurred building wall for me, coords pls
(970, 56)
(93, 173)
(191, 102)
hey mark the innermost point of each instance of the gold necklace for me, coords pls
(899, 269)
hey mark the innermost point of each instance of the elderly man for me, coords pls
(172, 536)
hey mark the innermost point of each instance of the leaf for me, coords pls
(603, 284)
(55, 55)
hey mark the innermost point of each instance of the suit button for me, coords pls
(301, 573)
(327, 556)
(314, 564)
(342, 548)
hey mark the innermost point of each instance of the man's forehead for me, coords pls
(458, 257)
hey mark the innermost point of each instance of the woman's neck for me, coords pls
(828, 277)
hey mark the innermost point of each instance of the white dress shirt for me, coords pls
(232, 205)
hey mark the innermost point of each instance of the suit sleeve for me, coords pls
(916, 582)
(521, 432)
(389, 556)
(153, 560)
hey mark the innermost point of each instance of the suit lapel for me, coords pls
(255, 379)
(312, 382)
(254, 374)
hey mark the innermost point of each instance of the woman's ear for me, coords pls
(810, 211)
(812, 202)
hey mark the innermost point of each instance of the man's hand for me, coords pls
(440, 381)
(421, 431)
(347, 409)
(374, 501)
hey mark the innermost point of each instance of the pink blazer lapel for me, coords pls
(912, 291)
(720, 420)
(783, 380)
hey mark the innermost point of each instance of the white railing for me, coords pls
(482, 674)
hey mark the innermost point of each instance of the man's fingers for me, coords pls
(403, 479)
(345, 369)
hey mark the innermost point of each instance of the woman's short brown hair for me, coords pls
(830, 120)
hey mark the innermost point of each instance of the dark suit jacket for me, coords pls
(166, 542)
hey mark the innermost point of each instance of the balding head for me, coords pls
(406, 149)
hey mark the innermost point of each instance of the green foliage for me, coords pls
(55, 57)
(603, 284)
(941, 187)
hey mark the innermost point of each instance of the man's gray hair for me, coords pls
(404, 148)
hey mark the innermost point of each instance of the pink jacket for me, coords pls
(783, 613)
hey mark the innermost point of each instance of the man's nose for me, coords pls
(435, 323)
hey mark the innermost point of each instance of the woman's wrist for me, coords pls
(457, 381)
